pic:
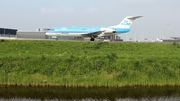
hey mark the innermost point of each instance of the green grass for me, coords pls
(72, 63)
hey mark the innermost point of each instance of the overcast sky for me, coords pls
(161, 17)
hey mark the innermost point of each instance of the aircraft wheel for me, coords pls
(92, 39)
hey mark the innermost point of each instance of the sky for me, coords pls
(161, 18)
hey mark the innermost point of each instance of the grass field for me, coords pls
(72, 63)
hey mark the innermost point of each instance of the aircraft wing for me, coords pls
(94, 34)
(102, 31)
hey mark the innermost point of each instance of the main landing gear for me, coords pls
(92, 39)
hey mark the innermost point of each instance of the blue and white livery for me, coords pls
(93, 32)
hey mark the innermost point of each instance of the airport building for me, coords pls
(37, 34)
(31, 34)
(5, 32)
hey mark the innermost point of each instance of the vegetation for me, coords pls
(72, 63)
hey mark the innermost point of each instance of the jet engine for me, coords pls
(108, 30)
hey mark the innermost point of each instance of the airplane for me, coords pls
(93, 32)
(159, 40)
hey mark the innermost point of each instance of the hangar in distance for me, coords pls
(93, 32)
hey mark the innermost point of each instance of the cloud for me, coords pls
(138, 1)
(61, 9)
(66, 9)
(93, 10)
(48, 10)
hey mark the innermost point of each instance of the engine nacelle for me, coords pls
(107, 30)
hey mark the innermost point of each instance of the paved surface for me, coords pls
(13, 38)
(7, 38)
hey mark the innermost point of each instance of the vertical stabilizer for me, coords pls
(127, 22)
